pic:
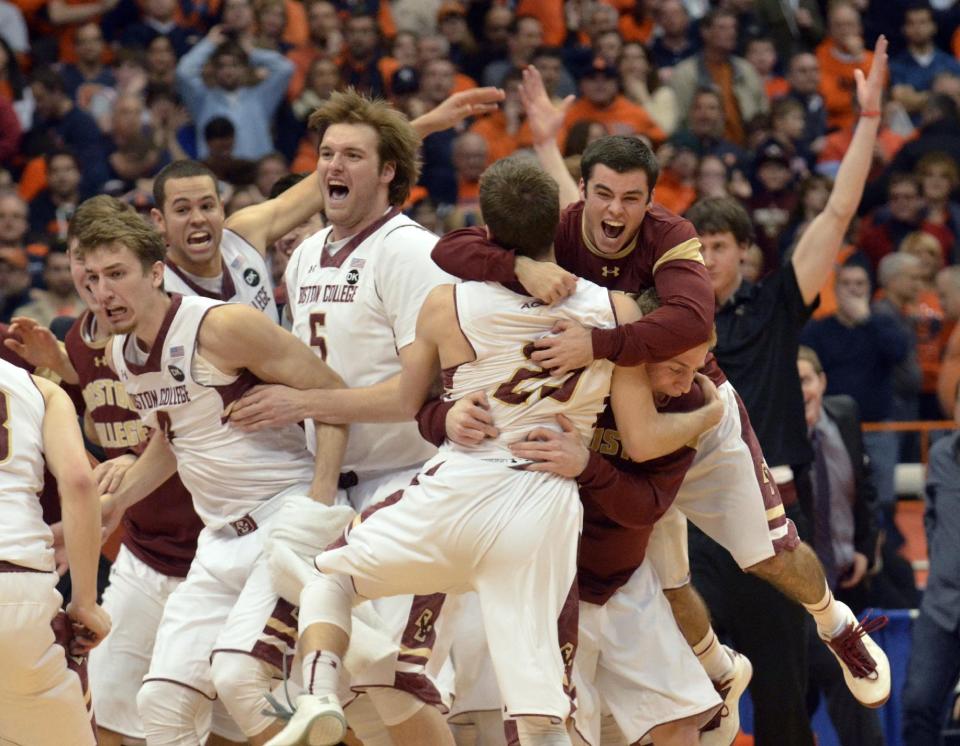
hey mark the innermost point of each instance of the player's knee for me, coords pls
(394, 706)
(171, 713)
(683, 732)
(771, 567)
(541, 731)
(242, 683)
(327, 599)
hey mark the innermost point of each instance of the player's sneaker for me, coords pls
(317, 721)
(865, 667)
(725, 725)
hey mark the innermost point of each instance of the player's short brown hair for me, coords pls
(520, 204)
(398, 141)
(182, 169)
(721, 215)
(621, 153)
(92, 211)
(124, 229)
(649, 301)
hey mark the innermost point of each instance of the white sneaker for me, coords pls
(865, 667)
(317, 721)
(722, 730)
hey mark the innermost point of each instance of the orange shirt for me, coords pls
(500, 144)
(776, 87)
(673, 193)
(722, 75)
(837, 143)
(837, 83)
(950, 373)
(630, 30)
(297, 31)
(620, 118)
(551, 16)
(828, 295)
(931, 340)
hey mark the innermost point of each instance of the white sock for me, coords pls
(321, 672)
(830, 615)
(714, 658)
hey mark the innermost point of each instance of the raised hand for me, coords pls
(870, 87)
(37, 345)
(545, 119)
(456, 108)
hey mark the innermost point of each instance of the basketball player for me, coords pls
(41, 701)
(224, 258)
(471, 520)
(610, 238)
(183, 361)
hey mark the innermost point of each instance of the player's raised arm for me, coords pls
(816, 252)
(546, 121)
(67, 461)
(235, 337)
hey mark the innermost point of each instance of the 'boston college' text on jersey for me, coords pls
(502, 327)
(24, 538)
(228, 472)
(357, 307)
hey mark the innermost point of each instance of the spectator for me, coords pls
(469, 162)
(812, 195)
(172, 131)
(762, 55)
(66, 17)
(845, 535)
(787, 124)
(676, 41)
(713, 177)
(14, 282)
(704, 130)
(60, 297)
(51, 209)
(161, 61)
(158, 20)
(939, 177)
(243, 196)
(928, 319)
(238, 21)
(601, 100)
(675, 187)
(270, 169)
(948, 288)
(13, 27)
(322, 79)
(88, 75)
(506, 130)
(804, 78)
(794, 28)
(324, 42)
(526, 36)
(271, 24)
(14, 233)
(452, 25)
(493, 45)
(773, 200)
(609, 46)
(230, 96)
(220, 136)
(436, 47)
(741, 91)
(134, 155)
(58, 123)
(935, 651)
(860, 350)
(882, 232)
(437, 176)
(641, 86)
(913, 70)
(362, 61)
(14, 88)
(839, 55)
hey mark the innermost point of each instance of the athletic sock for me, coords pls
(714, 658)
(830, 615)
(321, 672)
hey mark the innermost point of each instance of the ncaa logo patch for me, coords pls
(251, 277)
(353, 277)
(174, 371)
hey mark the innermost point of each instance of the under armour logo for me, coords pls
(615, 271)
(99, 362)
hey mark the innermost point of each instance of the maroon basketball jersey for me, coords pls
(161, 530)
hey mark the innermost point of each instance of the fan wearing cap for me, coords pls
(601, 100)
(773, 200)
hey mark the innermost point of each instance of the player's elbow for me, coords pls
(78, 484)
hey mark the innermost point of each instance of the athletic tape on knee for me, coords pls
(394, 706)
(242, 683)
(171, 713)
(327, 599)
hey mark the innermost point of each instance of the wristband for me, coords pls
(870, 114)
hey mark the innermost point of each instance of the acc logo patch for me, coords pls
(353, 277)
(251, 277)
(174, 371)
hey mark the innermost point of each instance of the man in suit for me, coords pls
(844, 536)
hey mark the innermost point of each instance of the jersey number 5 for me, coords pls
(317, 322)
(4, 428)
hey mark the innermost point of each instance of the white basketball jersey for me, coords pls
(24, 538)
(357, 308)
(246, 278)
(228, 472)
(502, 326)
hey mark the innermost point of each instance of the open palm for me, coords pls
(544, 118)
(870, 87)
